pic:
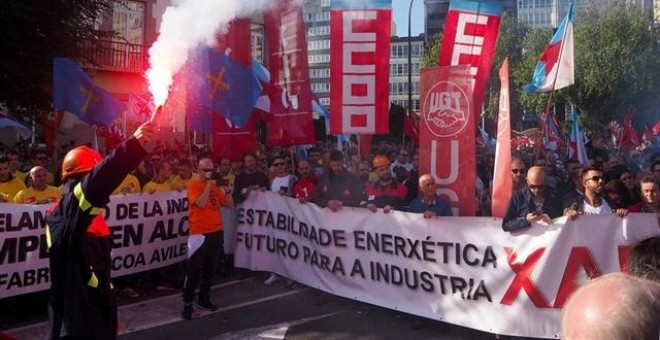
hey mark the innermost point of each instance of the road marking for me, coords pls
(151, 313)
(275, 331)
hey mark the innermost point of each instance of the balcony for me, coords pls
(116, 56)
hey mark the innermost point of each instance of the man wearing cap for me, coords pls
(385, 193)
(82, 302)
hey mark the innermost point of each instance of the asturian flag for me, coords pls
(555, 69)
(577, 149)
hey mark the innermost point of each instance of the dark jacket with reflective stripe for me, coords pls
(82, 302)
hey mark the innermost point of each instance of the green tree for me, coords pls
(34, 32)
(432, 51)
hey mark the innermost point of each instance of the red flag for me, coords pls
(51, 123)
(410, 129)
(647, 135)
(447, 148)
(365, 145)
(113, 136)
(359, 72)
(656, 128)
(629, 137)
(502, 181)
(470, 38)
(291, 121)
(229, 140)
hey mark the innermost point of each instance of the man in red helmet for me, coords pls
(82, 302)
(385, 193)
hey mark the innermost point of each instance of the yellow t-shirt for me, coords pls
(20, 174)
(207, 219)
(30, 196)
(152, 186)
(230, 178)
(130, 185)
(179, 183)
(10, 188)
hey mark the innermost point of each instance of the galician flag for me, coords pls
(555, 69)
(577, 149)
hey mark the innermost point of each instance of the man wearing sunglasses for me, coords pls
(531, 204)
(593, 202)
(518, 173)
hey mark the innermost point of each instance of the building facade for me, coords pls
(399, 70)
(317, 23)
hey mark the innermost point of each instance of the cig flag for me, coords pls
(577, 149)
(555, 69)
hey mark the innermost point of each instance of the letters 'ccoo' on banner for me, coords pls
(359, 66)
(447, 133)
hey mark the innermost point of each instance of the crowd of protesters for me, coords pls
(387, 178)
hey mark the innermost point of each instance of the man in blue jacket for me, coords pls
(532, 203)
(82, 302)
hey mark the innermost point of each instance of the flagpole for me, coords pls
(561, 52)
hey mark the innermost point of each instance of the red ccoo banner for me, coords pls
(470, 38)
(447, 148)
(359, 70)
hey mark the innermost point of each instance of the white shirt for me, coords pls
(604, 208)
(279, 182)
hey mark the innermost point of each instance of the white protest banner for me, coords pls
(461, 270)
(147, 231)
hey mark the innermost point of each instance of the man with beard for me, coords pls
(338, 187)
(518, 173)
(593, 203)
(385, 193)
(249, 180)
(305, 187)
(532, 203)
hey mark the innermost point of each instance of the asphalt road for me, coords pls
(249, 309)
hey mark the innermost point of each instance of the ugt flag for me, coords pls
(555, 69)
(75, 92)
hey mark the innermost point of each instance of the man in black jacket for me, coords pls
(338, 187)
(82, 302)
(532, 203)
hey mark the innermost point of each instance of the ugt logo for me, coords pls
(447, 109)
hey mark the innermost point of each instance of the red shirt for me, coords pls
(305, 187)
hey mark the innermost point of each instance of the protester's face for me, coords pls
(574, 169)
(41, 159)
(363, 170)
(594, 182)
(4, 170)
(165, 171)
(279, 165)
(518, 171)
(250, 163)
(415, 161)
(656, 172)
(184, 171)
(303, 168)
(155, 159)
(428, 187)
(336, 166)
(13, 162)
(628, 180)
(313, 157)
(536, 185)
(225, 166)
(38, 177)
(384, 173)
(403, 157)
(650, 193)
(615, 198)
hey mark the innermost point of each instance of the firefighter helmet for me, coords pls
(380, 160)
(79, 160)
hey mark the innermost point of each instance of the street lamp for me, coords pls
(410, 58)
